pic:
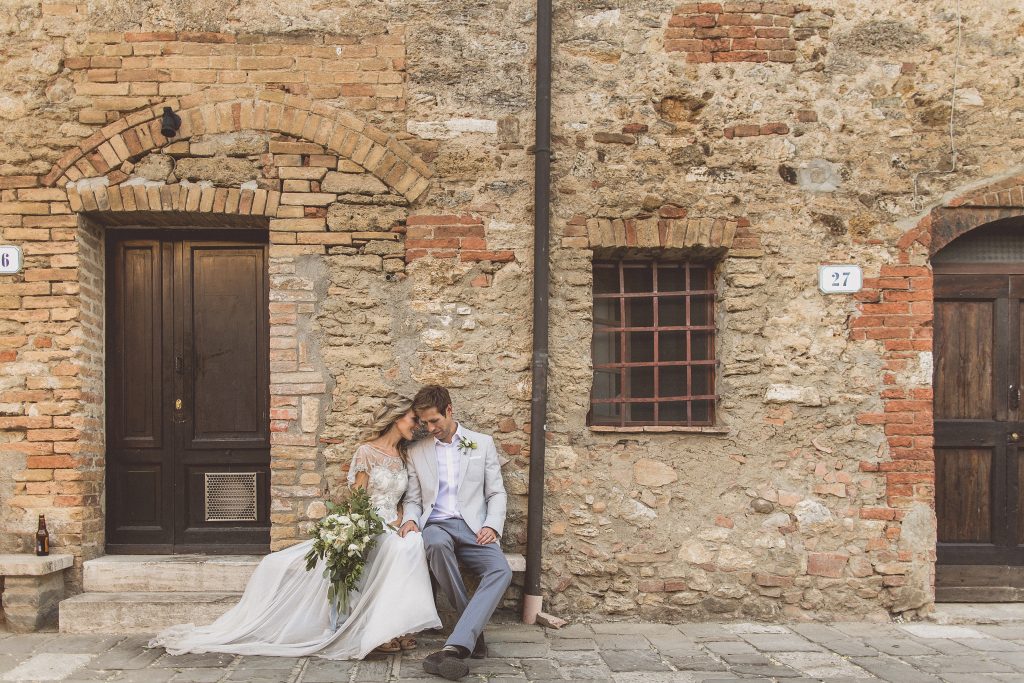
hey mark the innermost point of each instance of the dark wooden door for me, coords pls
(188, 450)
(979, 420)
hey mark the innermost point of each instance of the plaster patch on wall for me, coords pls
(923, 374)
(444, 130)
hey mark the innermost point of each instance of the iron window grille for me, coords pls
(654, 344)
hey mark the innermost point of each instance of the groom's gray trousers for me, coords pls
(448, 542)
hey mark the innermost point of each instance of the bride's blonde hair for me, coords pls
(384, 418)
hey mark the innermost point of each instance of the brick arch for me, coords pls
(970, 210)
(186, 197)
(128, 138)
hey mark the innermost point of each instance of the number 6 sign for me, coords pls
(10, 260)
(840, 279)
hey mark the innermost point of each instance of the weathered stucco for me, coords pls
(822, 139)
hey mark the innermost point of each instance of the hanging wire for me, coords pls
(952, 114)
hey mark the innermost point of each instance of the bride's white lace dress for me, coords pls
(284, 610)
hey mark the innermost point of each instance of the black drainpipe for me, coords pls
(532, 599)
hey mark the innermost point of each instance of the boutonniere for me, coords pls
(465, 445)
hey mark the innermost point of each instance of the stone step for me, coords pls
(147, 593)
(142, 612)
(1000, 614)
(168, 573)
(156, 573)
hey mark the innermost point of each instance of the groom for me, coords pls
(457, 498)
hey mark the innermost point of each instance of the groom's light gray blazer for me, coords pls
(482, 497)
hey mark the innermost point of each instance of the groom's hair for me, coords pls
(432, 396)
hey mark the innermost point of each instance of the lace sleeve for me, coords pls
(360, 463)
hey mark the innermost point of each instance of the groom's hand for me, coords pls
(407, 528)
(486, 535)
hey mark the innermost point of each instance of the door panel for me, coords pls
(188, 390)
(963, 492)
(141, 489)
(136, 348)
(226, 325)
(963, 359)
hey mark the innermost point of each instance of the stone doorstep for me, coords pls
(168, 573)
(999, 613)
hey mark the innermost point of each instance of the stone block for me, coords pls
(830, 565)
(384, 248)
(224, 171)
(648, 472)
(30, 602)
(353, 183)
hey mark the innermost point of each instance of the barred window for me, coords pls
(654, 344)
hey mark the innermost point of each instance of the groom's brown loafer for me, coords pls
(446, 663)
(480, 651)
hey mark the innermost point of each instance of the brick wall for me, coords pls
(123, 72)
(896, 312)
(443, 237)
(743, 31)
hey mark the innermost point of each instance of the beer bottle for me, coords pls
(42, 538)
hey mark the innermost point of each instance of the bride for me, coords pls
(284, 610)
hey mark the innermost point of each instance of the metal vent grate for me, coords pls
(231, 497)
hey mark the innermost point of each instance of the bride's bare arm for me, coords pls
(362, 480)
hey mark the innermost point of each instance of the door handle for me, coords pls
(177, 404)
(1014, 396)
(1013, 437)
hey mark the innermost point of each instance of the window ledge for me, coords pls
(660, 430)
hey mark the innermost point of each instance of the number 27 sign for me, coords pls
(840, 279)
(10, 260)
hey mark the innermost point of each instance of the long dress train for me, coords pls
(284, 610)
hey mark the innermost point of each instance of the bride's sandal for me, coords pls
(389, 648)
(407, 643)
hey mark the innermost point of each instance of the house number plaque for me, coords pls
(840, 279)
(10, 260)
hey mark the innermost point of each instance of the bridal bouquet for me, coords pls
(343, 539)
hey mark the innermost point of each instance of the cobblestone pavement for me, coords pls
(620, 653)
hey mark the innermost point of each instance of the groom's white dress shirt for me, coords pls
(448, 464)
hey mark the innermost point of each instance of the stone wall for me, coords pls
(385, 148)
